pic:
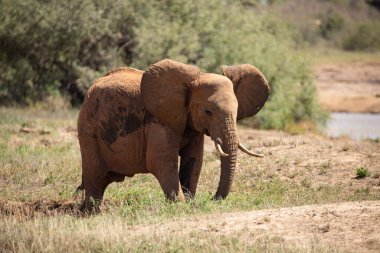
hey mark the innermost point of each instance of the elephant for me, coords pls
(133, 122)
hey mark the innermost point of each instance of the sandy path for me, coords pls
(353, 226)
(353, 87)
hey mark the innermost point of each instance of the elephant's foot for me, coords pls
(175, 196)
(172, 189)
(93, 199)
(188, 194)
(91, 205)
(169, 182)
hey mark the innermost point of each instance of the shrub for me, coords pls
(362, 172)
(366, 37)
(45, 46)
(331, 23)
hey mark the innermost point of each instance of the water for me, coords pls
(356, 125)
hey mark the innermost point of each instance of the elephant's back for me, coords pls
(122, 80)
(110, 97)
(125, 70)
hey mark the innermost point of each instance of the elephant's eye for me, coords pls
(208, 112)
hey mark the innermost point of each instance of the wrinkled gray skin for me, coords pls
(140, 122)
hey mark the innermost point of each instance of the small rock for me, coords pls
(376, 174)
(324, 228)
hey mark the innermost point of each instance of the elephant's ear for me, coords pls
(164, 89)
(250, 86)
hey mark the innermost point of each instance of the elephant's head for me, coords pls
(179, 95)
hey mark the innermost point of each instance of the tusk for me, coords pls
(245, 150)
(220, 150)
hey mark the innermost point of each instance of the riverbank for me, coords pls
(358, 126)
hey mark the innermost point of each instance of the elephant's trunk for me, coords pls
(228, 163)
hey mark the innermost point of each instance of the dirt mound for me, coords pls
(30, 209)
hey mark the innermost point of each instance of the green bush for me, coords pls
(365, 37)
(362, 172)
(46, 45)
(331, 23)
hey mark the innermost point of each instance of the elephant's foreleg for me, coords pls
(162, 160)
(191, 164)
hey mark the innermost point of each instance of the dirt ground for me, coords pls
(351, 226)
(349, 87)
(318, 161)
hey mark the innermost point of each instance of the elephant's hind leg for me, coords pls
(93, 174)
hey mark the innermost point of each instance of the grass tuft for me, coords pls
(362, 172)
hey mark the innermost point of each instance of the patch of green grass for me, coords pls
(362, 172)
(146, 202)
(37, 165)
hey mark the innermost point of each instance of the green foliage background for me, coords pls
(58, 48)
(54, 45)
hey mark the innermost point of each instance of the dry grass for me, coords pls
(39, 172)
(323, 56)
(111, 233)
